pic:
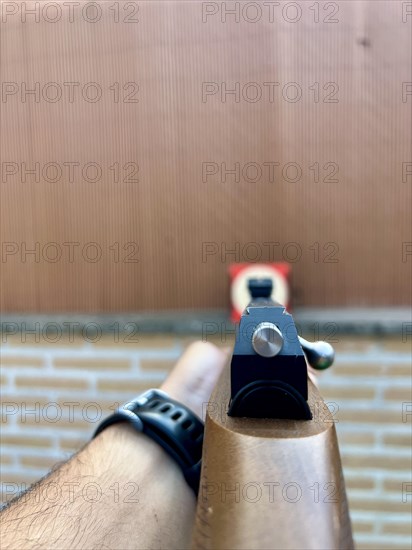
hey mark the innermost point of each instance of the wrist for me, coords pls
(172, 431)
(130, 454)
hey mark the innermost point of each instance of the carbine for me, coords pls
(271, 470)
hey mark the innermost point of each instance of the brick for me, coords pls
(347, 344)
(16, 361)
(23, 480)
(373, 545)
(360, 369)
(399, 370)
(362, 527)
(45, 338)
(350, 392)
(127, 386)
(359, 482)
(374, 461)
(73, 444)
(398, 528)
(378, 416)
(398, 394)
(396, 344)
(356, 438)
(136, 341)
(3, 380)
(221, 340)
(376, 505)
(26, 441)
(51, 382)
(396, 485)
(92, 364)
(157, 364)
(44, 462)
(73, 340)
(6, 460)
(28, 401)
(401, 440)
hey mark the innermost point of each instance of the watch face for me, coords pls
(240, 295)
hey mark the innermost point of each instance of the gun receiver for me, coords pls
(271, 471)
(268, 367)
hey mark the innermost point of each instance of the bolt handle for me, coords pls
(320, 355)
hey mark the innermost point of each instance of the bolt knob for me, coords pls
(267, 340)
(320, 355)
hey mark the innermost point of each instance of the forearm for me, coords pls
(121, 491)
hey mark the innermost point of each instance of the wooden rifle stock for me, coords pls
(270, 483)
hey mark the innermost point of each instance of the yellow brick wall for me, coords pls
(53, 395)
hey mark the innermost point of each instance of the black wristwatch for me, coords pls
(172, 425)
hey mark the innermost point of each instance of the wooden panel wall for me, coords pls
(317, 132)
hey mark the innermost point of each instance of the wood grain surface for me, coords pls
(271, 484)
(130, 206)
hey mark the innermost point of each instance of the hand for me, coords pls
(195, 375)
(161, 511)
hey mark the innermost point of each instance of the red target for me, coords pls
(240, 274)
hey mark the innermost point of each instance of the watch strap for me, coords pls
(172, 425)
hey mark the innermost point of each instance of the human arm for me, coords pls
(122, 490)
